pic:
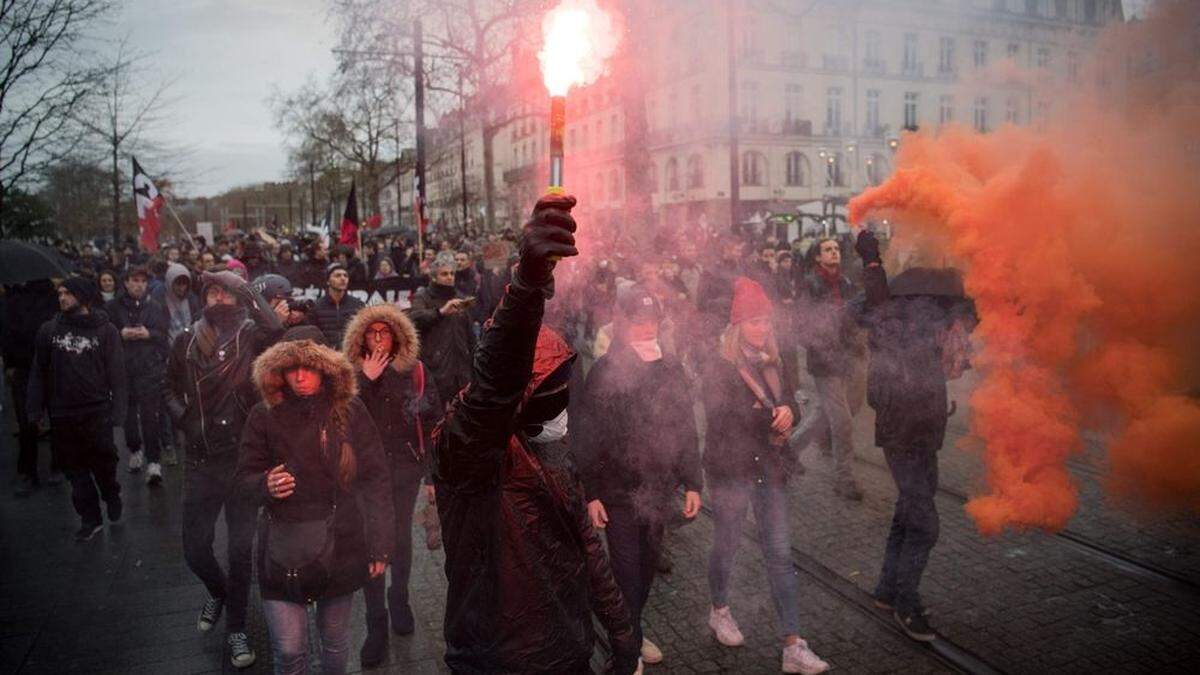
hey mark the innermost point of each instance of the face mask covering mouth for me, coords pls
(552, 430)
(647, 350)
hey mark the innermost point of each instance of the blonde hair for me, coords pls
(732, 344)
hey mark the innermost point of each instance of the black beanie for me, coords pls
(85, 290)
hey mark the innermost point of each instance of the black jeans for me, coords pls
(406, 485)
(634, 543)
(27, 431)
(85, 444)
(914, 528)
(142, 424)
(207, 488)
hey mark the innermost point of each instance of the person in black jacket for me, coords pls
(638, 444)
(525, 567)
(749, 404)
(78, 374)
(381, 344)
(142, 323)
(336, 307)
(209, 396)
(918, 326)
(312, 456)
(442, 317)
(26, 307)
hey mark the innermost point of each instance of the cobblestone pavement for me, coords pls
(126, 603)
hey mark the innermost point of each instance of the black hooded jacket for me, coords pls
(447, 342)
(636, 434)
(78, 368)
(145, 360)
(525, 568)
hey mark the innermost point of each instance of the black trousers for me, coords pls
(85, 445)
(27, 431)
(634, 543)
(208, 488)
(406, 485)
(142, 425)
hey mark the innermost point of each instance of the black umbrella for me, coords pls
(21, 261)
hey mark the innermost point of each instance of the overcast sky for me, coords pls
(226, 56)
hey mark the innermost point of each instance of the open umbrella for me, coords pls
(21, 261)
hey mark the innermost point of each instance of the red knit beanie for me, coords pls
(750, 301)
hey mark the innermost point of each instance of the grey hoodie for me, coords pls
(181, 311)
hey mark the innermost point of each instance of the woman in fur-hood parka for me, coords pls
(329, 444)
(382, 345)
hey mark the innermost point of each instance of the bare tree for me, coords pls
(42, 84)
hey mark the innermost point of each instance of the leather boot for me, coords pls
(375, 648)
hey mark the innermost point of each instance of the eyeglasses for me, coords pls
(379, 334)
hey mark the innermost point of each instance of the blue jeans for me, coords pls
(914, 528)
(634, 543)
(770, 502)
(288, 625)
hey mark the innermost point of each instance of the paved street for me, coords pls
(1021, 603)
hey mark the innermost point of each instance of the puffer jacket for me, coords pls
(525, 568)
(145, 360)
(447, 341)
(307, 435)
(636, 434)
(392, 398)
(331, 317)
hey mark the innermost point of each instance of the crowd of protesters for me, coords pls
(308, 416)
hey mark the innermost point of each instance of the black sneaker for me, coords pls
(86, 532)
(210, 614)
(240, 654)
(915, 627)
(115, 508)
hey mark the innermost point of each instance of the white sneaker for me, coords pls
(136, 460)
(726, 629)
(153, 473)
(639, 668)
(798, 658)
(650, 652)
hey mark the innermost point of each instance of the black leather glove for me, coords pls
(867, 247)
(548, 237)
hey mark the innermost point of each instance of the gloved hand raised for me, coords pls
(867, 247)
(548, 237)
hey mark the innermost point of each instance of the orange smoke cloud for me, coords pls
(1079, 241)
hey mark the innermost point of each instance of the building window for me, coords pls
(1089, 11)
(695, 101)
(946, 55)
(1073, 66)
(909, 62)
(871, 56)
(798, 169)
(586, 137)
(793, 98)
(1014, 50)
(748, 103)
(695, 172)
(1041, 114)
(981, 53)
(598, 188)
(672, 179)
(876, 168)
(753, 168)
(910, 110)
(833, 111)
(872, 112)
(833, 171)
(615, 126)
(1043, 57)
(653, 175)
(1012, 111)
(946, 109)
(1031, 7)
(981, 114)
(614, 186)
(600, 132)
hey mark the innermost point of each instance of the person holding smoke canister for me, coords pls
(381, 344)
(747, 463)
(311, 454)
(918, 326)
(638, 444)
(209, 394)
(524, 566)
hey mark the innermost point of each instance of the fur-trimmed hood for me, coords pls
(408, 344)
(337, 375)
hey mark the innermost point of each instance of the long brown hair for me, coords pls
(732, 343)
(347, 460)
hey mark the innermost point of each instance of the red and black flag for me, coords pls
(149, 201)
(349, 234)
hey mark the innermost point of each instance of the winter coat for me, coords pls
(145, 360)
(392, 397)
(26, 308)
(447, 342)
(331, 317)
(209, 392)
(78, 368)
(466, 282)
(525, 568)
(827, 327)
(307, 434)
(636, 433)
(906, 383)
(737, 448)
